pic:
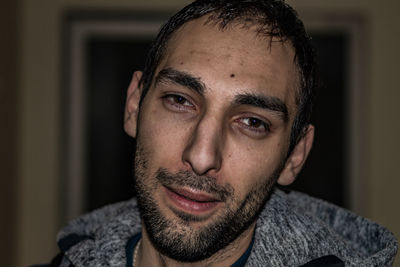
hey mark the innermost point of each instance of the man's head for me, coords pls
(225, 89)
(272, 18)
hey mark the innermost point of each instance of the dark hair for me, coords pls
(272, 18)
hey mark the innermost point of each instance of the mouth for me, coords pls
(192, 201)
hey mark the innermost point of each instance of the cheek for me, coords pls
(162, 136)
(253, 166)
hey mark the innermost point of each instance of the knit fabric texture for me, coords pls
(293, 229)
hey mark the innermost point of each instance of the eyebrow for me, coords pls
(182, 78)
(270, 103)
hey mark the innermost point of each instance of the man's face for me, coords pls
(213, 134)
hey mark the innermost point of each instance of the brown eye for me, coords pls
(179, 99)
(177, 102)
(254, 125)
(253, 122)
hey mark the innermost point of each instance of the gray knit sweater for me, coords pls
(292, 230)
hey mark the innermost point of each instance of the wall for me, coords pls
(8, 128)
(38, 121)
(381, 159)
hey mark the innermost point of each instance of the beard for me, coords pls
(175, 237)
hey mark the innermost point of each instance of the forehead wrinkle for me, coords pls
(173, 47)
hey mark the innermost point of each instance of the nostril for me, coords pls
(202, 159)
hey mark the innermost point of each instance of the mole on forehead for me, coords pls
(232, 75)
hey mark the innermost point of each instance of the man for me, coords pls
(221, 114)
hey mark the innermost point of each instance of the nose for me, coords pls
(203, 151)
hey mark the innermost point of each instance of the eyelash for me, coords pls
(171, 99)
(265, 125)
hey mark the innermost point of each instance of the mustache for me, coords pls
(198, 182)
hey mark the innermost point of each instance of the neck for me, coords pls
(149, 256)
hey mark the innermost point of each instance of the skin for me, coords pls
(209, 132)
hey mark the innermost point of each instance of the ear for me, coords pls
(132, 104)
(297, 158)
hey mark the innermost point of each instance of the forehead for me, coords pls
(251, 60)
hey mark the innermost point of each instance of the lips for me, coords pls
(192, 201)
(193, 195)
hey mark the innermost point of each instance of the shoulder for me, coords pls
(294, 229)
(99, 238)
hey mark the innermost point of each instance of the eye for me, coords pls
(255, 125)
(177, 102)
